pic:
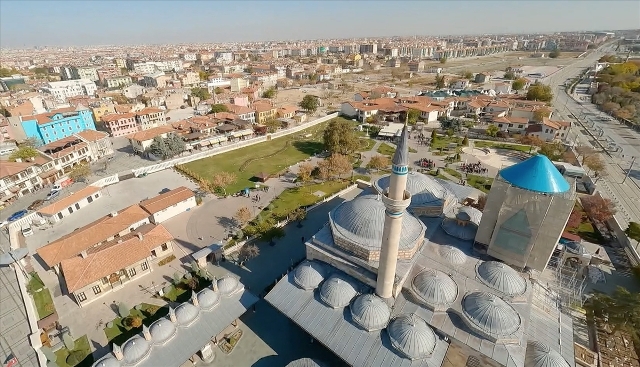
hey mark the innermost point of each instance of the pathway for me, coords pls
(367, 155)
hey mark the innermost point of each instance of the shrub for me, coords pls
(132, 322)
(166, 260)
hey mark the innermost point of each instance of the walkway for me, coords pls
(367, 155)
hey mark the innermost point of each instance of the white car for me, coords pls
(27, 231)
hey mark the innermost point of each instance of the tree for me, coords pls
(202, 93)
(218, 90)
(492, 130)
(304, 171)
(4, 112)
(340, 137)
(443, 60)
(553, 151)
(219, 107)
(509, 75)
(175, 144)
(575, 219)
(23, 153)
(159, 148)
(467, 74)
(249, 252)
(620, 310)
(123, 310)
(598, 208)
(132, 322)
(584, 151)
(203, 75)
(242, 216)
(413, 115)
(519, 84)
(540, 114)
(119, 99)
(80, 172)
(273, 125)
(440, 81)
(334, 166)
(192, 283)
(68, 341)
(540, 92)
(554, 54)
(610, 107)
(594, 163)
(465, 141)
(379, 162)
(299, 214)
(269, 93)
(309, 103)
(223, 179)
(633, 231)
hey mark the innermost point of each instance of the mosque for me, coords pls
(407, 276)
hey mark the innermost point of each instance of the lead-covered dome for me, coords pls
(309, 274)
(370, 312)
(490, 314)
(501, 277)
(337, 291)
(305, 362)
(208, 299)
(452, 255)
(412, 337)
(540, 355)
(228, 285)
(108, 361)
(135, 350)
(435, 288)
(357, 227)
(162, 330)
(187, 313)
(424, 190)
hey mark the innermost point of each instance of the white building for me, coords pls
(70, 88)
(118, 81)
(64, 207)
(169, 204)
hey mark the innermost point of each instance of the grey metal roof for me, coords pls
(305, 362)
(540, 355)
(435, 288)
(228, 286)
(135, 350)
(187, 313)
(490, 314)
(309, 274)
(412, 337)
(457, 230)
(459, 191)
(469, 213)
(424, 189)
(162, 330)
(338, 291)
(554, 329)
(108, 362)
(370, 312)
(452, 255)
(208, 299)
(401, 156)
(501, 277)
(361, 221)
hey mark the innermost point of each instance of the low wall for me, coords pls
(106, 181)
(24, 221)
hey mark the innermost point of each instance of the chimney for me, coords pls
(113, 214)
(120, 241)
(146, 333)
(140, 236)
(194, 298)
(117, 352)
(172, 315)
(83, 254)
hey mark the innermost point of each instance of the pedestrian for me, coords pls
(302, 239)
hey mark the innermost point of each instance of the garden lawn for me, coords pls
(44, 303)
(148, 313)
(586, 230)
(272, 157)
(293, 198)
(480, 182)
(491, 144)
(81, 344)
(443, 142)
(386, 149)
(453, 172)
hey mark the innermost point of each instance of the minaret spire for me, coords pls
(396, 199)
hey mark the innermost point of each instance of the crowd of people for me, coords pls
(426, 163)
(476, 168)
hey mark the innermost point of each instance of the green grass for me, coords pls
(81, 344)
(366, 144)
(386, 149)
(480, 182)
(119, 333)
(362, 177)
(453, 172)
(293, 198)
(589, 233)
(491, 144)
(443, 142)
(279, 154)
(43, 301)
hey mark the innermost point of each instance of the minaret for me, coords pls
(396, 199)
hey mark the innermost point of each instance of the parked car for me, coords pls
(27, 231)
(17, 215)
(36, 204)
(52, 195)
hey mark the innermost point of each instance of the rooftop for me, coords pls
(169, 198)
(536, 174)
(64, 203)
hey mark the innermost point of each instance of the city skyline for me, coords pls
(145, 22)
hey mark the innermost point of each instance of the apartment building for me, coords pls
(150, 117)
(190, 78)
(74, 72)
(155, 80)
(23, 177)
(57, 124)
(101, 110)
(70, 88)
(120, 124)
(264, 111)
(118, 81)
(244, 113)
(238, 84)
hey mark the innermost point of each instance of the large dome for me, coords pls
(108, 361)
(337, 291)
(187, 313)
(361, 221)
(536, 174)
(370, 312)
(435, 288)
(208, 299)
(501, 277)
(309, 274)
(228, 285)
(162, 330)
(135, 350)
(412, 337)
(540, 355)
(305, 362)
(490, 314)
(424, 190)
(452, 255)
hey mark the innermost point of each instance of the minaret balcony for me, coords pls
(394, 205)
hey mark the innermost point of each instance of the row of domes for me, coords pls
(425, 190)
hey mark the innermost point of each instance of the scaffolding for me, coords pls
(564, 280)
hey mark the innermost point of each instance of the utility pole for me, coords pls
(629, 170)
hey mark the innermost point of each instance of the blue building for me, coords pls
(58, 124)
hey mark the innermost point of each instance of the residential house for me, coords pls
(238, 84)
(118, 81)
(549, 130)
(497, 106)
(133, 91)
(239, 100)
(101, 110)
(66, 206)
(98, 142)
(23, 177)
(57, 124)
(460, 84)
(242, 112)
(190, 78)
(428, 113)
(155, 80)
(150, 117)
(169, 204)
(511, 124)
(120, 124)
(101, 269)
(502, 88)
(264, 111)
(287, 112)
(142, 140)
(416, 66)
(433, 70)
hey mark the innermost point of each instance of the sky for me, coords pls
(28, 23)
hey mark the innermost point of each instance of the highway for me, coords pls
(626, 195)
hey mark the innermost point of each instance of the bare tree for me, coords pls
(304, 172)
(334, 166)
(249, 252)
(242, 216)
(594, 163)
(379, 162)
(221, 180)
(584, 151)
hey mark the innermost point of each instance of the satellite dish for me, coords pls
(13, 256)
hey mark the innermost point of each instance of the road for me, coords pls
(627, 194)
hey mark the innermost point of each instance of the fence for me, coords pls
(24, 221)
(106, 181)
(227, 148)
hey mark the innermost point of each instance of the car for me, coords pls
(52, 195)
(27, 231)
(36, 204)
(17, 215)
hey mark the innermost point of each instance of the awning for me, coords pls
(47, 174)
(237, 134)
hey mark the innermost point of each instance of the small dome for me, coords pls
(501, 277)
(412, 337)
(463, 216)
(424, 190)
(469, 214)
(208, 299)
(370, 312)
(186, 313)
(540, 355)
(305, 362)
(108, 361)
(135, 350)
(576, 248)
(228, 285)
(162, 330)
(337, 291)
(490, 314)
(435, 288)
(309, 274)
(452, 255)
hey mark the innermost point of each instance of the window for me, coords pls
(70, 209)
(145, 266)
(77, 206)
(89, 199)
(164, 247)
(105, 280)
(81, 297)
(60, 215)
(153, 253)
(132, 272)
(96, 289)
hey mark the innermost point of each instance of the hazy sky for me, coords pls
(65, 23)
